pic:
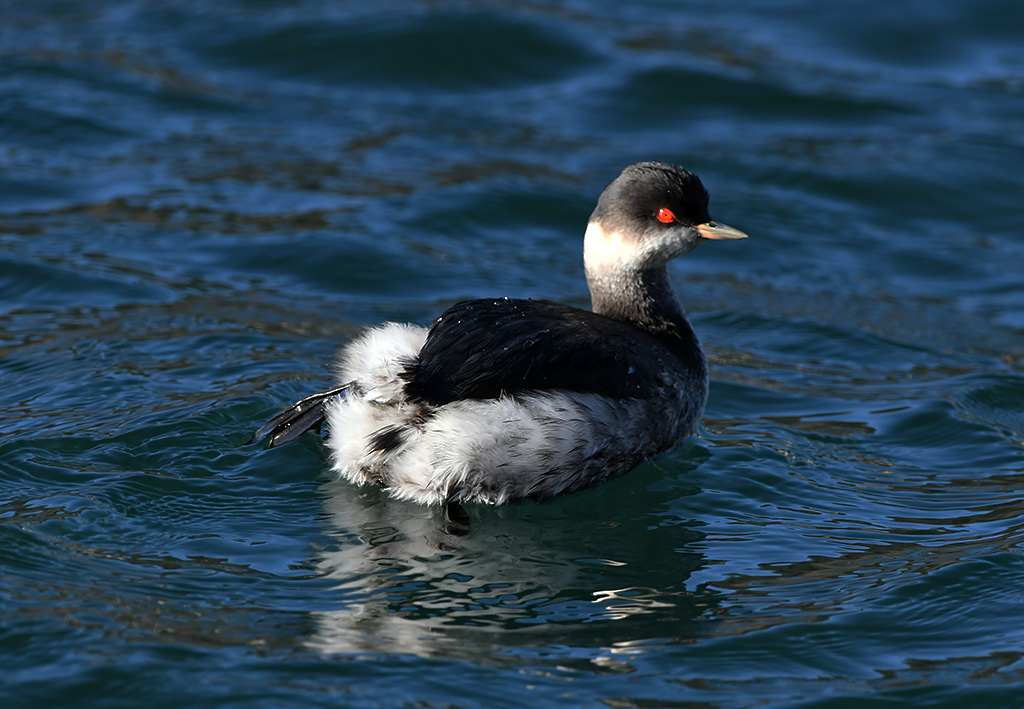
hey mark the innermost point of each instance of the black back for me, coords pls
(483, 349)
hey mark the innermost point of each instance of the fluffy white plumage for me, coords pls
(493, 451)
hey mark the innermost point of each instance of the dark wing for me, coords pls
(482, 349)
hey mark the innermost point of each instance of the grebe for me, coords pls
(502, 400)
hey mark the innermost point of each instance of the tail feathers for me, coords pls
(299, 417)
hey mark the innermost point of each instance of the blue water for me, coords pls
(200, 201)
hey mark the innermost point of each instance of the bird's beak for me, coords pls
(714, 230)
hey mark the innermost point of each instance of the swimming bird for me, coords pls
(509, 399)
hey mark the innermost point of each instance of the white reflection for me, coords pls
(526, 576)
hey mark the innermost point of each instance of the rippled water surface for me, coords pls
(200, 201)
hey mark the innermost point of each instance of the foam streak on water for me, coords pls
(199, 201)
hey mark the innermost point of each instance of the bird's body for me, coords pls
(507, 399)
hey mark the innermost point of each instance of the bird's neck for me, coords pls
(642, 297)
(624, 289)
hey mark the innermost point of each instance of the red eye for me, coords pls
(665, 216)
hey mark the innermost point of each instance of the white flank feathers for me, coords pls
(492, 451)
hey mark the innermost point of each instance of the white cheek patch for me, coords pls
(607, 250)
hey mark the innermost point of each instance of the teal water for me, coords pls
(200, 201)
